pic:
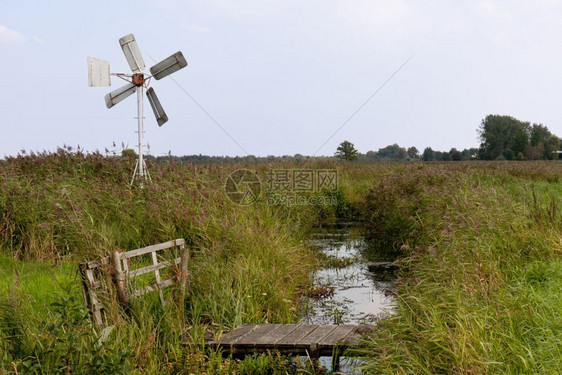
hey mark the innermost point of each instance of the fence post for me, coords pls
(120, 278)
(184, 251)
(183, 277)
(89, 291)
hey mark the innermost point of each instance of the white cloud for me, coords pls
(36, 39)
(9, 36)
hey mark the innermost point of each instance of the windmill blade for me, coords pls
(132, 52)
(168, 66)
(118, 95)
(161, 117)
(98, 72)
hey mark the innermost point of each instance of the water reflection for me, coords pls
(359, 291)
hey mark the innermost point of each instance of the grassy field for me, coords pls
(479, 246)
(480, 290)
(248, 263)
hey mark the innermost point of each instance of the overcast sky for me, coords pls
(280, 76)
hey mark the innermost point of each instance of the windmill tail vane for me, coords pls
(99, 74)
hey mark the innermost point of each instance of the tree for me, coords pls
(535, 152)
(456, 155)
(392, 152)
(413, 152)
(539, 133)
(371, 155)
(550, 146)
(508, 154)
(428, 154)
(129, 153)
(499, 133)
(346, 151)
(542, 143)
(469, 153)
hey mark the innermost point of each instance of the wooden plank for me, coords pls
(297, 334)
(90, 278)
(154, 267)
(233, 336)
(282, 332)
(98, 306)
(251, 338)
(152, 287)
(151, 248)
(317, 335)
(267, 338)
(86, 285)
(120, 282)
(89, 286)
(98, 317)
(93, 284)
(95, 263)
(337, 336)
(125, 264)
(184, 260)
(354, 336)
(158, 279)
(304, 339)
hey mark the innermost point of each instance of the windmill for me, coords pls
(99, 74)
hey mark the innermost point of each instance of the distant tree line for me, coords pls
(502, 138)
(206, 159)
(396, 153)
(347, 153)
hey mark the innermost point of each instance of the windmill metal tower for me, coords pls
(99, 74)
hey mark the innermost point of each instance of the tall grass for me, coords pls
(480, 288)
(248, 263)
(479, 247)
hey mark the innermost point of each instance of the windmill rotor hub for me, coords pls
(138, 79)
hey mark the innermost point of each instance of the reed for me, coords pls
(478, 244)
(248, 263)
(478, 291)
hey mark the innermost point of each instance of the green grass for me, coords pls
(248, 263)
(479, 248)
(36, 281)
(480, 290)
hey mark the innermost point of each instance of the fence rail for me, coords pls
(119, 265)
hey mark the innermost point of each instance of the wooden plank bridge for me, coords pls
(299, 339)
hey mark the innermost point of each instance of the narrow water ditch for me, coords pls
(355, 284)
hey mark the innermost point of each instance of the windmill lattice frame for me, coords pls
(99, 74)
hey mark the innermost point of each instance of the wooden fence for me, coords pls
(124, 273)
